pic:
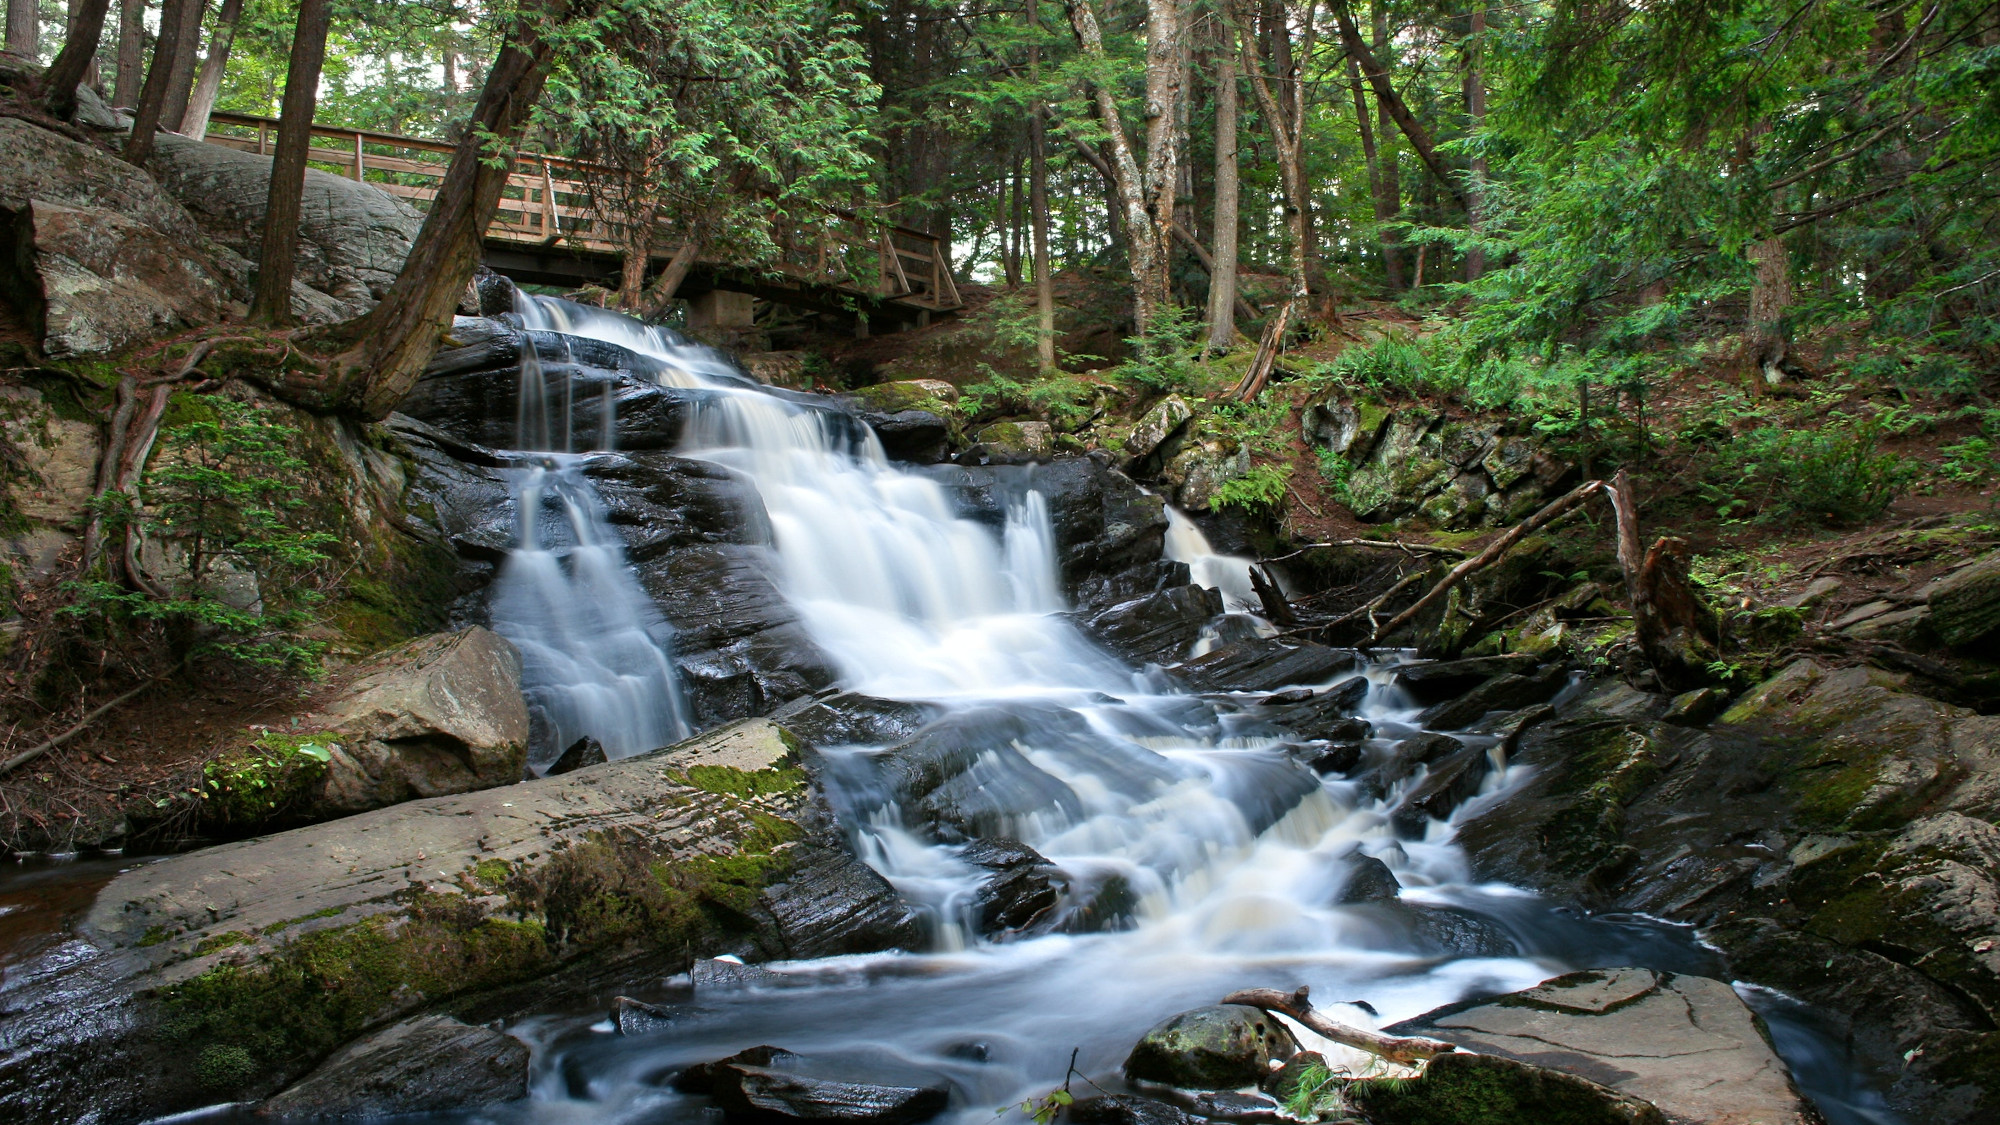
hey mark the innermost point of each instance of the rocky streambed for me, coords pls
(991, 801)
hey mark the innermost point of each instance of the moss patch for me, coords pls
(1609, 767)
(728, 781)
(1483, 1090)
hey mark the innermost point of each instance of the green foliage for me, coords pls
(1836, 474)
(222, 500)
(1317, 1095)
(1260, 491)
(276, 774)
(1168, 357)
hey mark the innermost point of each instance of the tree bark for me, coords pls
(1475, 112)
(278, 261)
(74, 61)
(1038, 217)
(1287, 133)
(24, 29)
(389, 347)
(1675, 629)
(673, 276)
(1770, 296)
(1145, 196)
(194, 123)
(1222, 277)
(131, 53)
(175, 18)
(1385, 94)
(1389, 204)
(181, 80)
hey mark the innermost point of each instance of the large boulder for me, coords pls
(1687, 1045)
(1153, 429)
(445, 716)
(1010, 443)
(353, 236)
(428, 1064)
(225, 973)
(770, 1085)
(1965, 604)
(1215, 1048)
(1264, 665)
(93, 280)
(1159, 628)
(909, 416)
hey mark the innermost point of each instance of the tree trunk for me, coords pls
(1286, 131)
(1038, 217)
(391, 345)
(1475, 112)
(92, 74)
(1676, 631)
(277, 263)
(194, 123)
(1770, 296)
(1386, 96)
(1389, 205)
(669, 282)
(1145, 197)
(131, 53)
(175, 17)
(24, 29)
(632, 265)
(181, 84)
(1222, 278)
(74, 61)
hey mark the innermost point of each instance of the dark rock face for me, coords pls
(851, 719)
(1322, 715)
(583, 752)
(1215, 1048)
(425, 1065)
(1439, 680)
(1409, 754)
(1102, 591)
(1448, 784)
(1158, 628)
(1104, 524)
(1263, 665)
(917, 436)
(764, 1084)
(636, 1017)
(1507, 692)
(1019, 895)
(1368, 880)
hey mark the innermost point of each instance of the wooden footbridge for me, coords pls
(549, 231)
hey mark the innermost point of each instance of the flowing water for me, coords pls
(1209, 859)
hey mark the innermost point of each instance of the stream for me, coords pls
(1198, 856)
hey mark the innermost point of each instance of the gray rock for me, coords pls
(1456, 933)
(1685, 1044)
(353, 236)
(636, 1017)
(1368, 880)
(1695, 708)
(583, 752)
(1264, 666)
(1965, 605)
(446, 716)
(1019, 893)
(1214, 1048)
(1011, 443)
(849, 719)
(1159, 628)
(1411, 753)
(429, 1064)
(1502, 693)
(1126, 1109)
(1439, 680)
(764, 1094)
(1154, 428)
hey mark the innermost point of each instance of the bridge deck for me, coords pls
(549, 228)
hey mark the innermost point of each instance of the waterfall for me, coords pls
(1227, 573)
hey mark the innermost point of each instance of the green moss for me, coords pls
(742, 783)
(221, 941)
(1481, 1090)
(492, 872)
(275, 776)
(153, 936)
(1608, 769)
(224, 1067)
(281, 927)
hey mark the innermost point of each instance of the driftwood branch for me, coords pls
(26, 756)
(1406, 1050)
(1487, 557)
(1273, 598)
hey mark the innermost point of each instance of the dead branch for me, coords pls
(29, 755)
(1492, 554)
(1406, 1050)
(1379, 544)
(1267, 354)
(1275, 606)
(1672, 625)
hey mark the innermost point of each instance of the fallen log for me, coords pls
(1407, 1050)
(1487, 557)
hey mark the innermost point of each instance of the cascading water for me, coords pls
(1228, 573)
(1215, 859)
(597, 656)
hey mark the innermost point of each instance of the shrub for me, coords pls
(1257, 492)
(1836, 474)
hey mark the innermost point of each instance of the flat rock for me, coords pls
(1263, 665)
(1439, 680)
(1686, 1044)
(429, 1064)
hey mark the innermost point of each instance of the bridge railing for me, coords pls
(548, 201)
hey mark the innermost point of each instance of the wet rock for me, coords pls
(1965, 605)
(1368, 880)
(1447, 784)
(723, 974)
(1439, 680)
(1235, 1105)
(1465, 1089)
(473, 393)
(1126, 1109)
(1285, 698)
(1105, 525)
(701, 1077)
(636, 1017)
(1685, 1044)
(1329, 757)
(763, 1094)
(446, 716)
(1099, 592)
(1155, 427)
(1408, 756)
(1018, 894)
(583, 752)
(935, 395)
(1325, 715)
(851, 719)
(1508, 692)
(917, 436)
(1264, 665)
(430, 1064)
(1158, 628)
(156, 1006)
(1214, 1048)
(1456, 933)
(1696, 708)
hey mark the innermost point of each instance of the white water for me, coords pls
(1231, 853)
(1227, 573)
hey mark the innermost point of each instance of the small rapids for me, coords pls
(1198, 856)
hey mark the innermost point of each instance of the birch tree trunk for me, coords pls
(1038, 219)
(1222, 278)
(194, 123)
(278, 261)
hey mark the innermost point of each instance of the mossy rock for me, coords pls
(934, 395)
(1214, 1048)
(1464, 1089)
